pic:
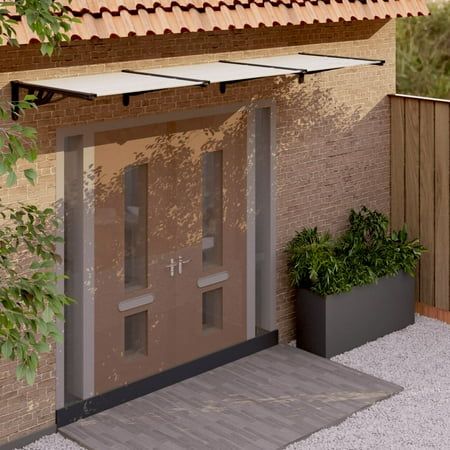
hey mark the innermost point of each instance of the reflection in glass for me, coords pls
(263, 287)
(212, 310)
(136, 334)
(135, 194)
(212, 209)
(73, 266)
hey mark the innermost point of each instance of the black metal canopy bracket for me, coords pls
(43, 95)
(126, 97)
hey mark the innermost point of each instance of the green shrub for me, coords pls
(364, 253)
(423, 53)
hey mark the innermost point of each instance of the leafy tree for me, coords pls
(423, 53)
(29, 299)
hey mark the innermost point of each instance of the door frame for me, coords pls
(88, 133)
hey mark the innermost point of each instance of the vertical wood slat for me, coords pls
(442, 205)
(412, 211)
(426, 202)
(397, 162)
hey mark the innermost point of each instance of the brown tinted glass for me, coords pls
(212, 312)
(212, 209)
(135, 195)
(136, 334)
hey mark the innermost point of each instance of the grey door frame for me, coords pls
(87, 132)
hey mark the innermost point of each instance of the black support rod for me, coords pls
(173, 77)
(374, 62)
(267, 66)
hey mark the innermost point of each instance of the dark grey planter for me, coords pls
(337, 323)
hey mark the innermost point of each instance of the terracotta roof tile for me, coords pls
(121, 18)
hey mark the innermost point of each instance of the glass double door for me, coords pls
(170, 229)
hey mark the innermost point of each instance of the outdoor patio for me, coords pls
(263, 401)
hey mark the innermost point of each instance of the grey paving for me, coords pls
(263, 401)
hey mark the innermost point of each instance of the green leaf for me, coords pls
(47, 48)
(42, 347)
(20, 371)
(30, 375)
(47, 314)
(11, 180)
(7, 349)
(30, 175)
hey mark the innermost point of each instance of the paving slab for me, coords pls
(263, 401)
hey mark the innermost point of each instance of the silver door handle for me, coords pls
(171, 267)
(181, 262)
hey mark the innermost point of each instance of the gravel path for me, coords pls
(53, 442)
(417, 358)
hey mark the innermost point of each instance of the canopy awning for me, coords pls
(135, 82)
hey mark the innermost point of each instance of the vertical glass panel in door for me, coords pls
(135, 196)
(136, 334)
(212, 209)
(212, 310)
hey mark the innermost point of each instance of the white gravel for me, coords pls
(416, 358)
(53, 442)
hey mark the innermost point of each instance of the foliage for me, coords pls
(423, 53)
(49, 19)
(29, 299)
(17, 142)
(364, 253)
(51, 22)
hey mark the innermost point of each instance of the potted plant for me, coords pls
(354, 288)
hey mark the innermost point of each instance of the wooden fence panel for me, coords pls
(426, 200)
(442, 206)
(398, 162)
(420, 188)
(412, 173)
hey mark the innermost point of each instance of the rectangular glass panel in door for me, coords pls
(212, 209)
(135, 198)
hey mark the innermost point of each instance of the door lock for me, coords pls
(181, 262)
(172, 266)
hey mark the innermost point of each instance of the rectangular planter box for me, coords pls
(337, 323)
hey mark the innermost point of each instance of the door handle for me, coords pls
(181, 262)
(171, 267)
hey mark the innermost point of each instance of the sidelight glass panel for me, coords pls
(74, 237)
(135, 194)
(212, 311)
(264, 276)
(212, 208)
(136, 334)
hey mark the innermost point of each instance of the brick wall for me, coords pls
(332, 139)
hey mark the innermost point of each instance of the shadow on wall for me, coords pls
(333, 155)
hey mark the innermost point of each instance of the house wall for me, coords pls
(332, 140)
